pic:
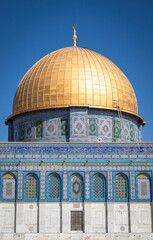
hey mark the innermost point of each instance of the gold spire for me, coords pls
(74, 35)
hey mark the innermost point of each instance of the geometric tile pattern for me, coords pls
(98, 186)
(131, 133)
(132, 185)
(31, 187)
(105, 128)
(117, 129)
(8, 188)
(79, 126)
(135, 134)
(87, 184)
(39, 129)
(50, 128)
(121, 187)
(110, 190)
(29, 130)
(92, 127)
(53, 187)
(126, 134)
(64, 185)
(19, 185)
(21, 132)
(143, 187)
(64, 126)
(16, 133)
(42, 191)
(76, 187)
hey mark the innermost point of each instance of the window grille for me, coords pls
(76, 221)
(54, 187)
(31, 187)
(121, 187)
(98, 186)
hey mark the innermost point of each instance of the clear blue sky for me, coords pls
(121, 30)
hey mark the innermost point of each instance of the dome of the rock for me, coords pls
(74, 76)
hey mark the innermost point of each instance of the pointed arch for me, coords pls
(77, 191)
(143, 186)
(9, 186)
(99, 186)
(121, 187)
(54, 186)
(31, 187)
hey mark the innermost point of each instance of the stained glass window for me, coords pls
(8, 182)
(143, 186)
(98, 186)
(54, 186)
(76, 187)
(31, 187)
(121, 187)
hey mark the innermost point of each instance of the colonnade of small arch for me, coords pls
(98, 186)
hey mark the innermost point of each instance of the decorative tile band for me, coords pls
(20, 185)
(110, 190)
(42, 194)
(64, 185)
(132, 184)
(87, 186)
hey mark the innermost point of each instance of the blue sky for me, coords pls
(121, 30)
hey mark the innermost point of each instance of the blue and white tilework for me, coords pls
(50, 128)
(8, 188)
(87, 185)
(64, 185)
(105, 128)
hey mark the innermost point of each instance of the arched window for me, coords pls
(76, 187)
(98, 186)
(121, 187)
(31, 187)
(54, 186)
(8, 190)
(143, 186)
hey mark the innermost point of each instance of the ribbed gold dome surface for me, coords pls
(74, 76)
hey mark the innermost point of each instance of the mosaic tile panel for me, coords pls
(131, 133)
(117, 129)
(16, 133)
(50, 128)
(8, 189)
(21, 132)
(20, 185)
(105, 128)
(87, 185)
(64, 185)
(78, 126)
(29, 130)
(126, 134)
(64, 126)
(110, 195)
(76, 187)
(143, 188)
(132, 184)
(92, 127)
(42, 191)
(39, 129)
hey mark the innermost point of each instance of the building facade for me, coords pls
(75, 166)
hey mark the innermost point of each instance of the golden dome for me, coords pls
(74, 76)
